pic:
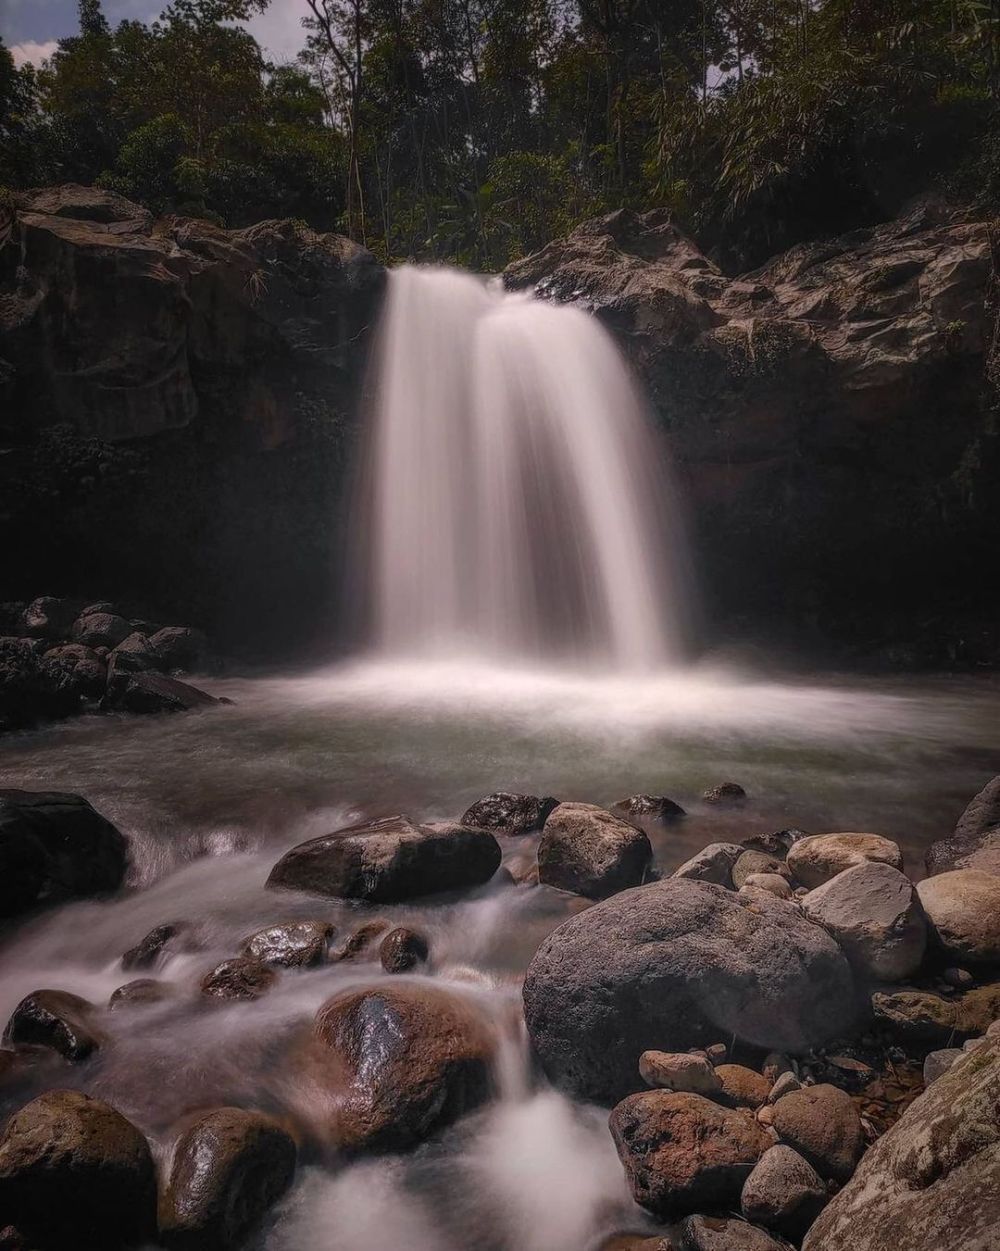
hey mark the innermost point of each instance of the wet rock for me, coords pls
(823, 1126)
(681, 1152)
(975, 843)
(133, 655)
(402, 950)
(816, 859)
(773, 883)
(713, 863)
(101, 629)
(723, 1233)
(83, 669)
(389, 861)
(680, 1071)
(74, 1173)
(150, 693)
(504, 813)
(58, 1020)
(751, 863)
(937, 1063)
(226, 1170)
(963, 908)
(143, 990)
(55, 846)
(742, 1087)
(652, 809)
(784, 1192)
(360, 942)
(726, 795)
(587, 851)
(916, 1015)
(291, 945)
(180, 649)
(929, 1184)
(49, 618)
(874, 912)
(675, 965)
(146, 953)
(241, 978)
(396, 1063)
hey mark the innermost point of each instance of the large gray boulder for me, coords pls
(873, 911)
(930, 1184)
(588, 851)
(390, 860)
(975, 842)
(674, 965)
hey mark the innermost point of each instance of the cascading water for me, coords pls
(514, 503)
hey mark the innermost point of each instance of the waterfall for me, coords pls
(513, 501)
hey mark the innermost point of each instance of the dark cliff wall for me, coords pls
(833, 416)
(176, 411)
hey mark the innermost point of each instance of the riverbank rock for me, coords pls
(674, 965)
(726, 795)
(56, 1019)
(963, 907)
(784, 1192)
(651, 809)
(291, 945)
(587, 851)
(758, 863)
(389, 861)
(225, 1172)
(180, 649)
(713, 863)
(152, 693)
(742, 1087)
(822, 1124)
(403, 950)
(723, 1233)
(684, 1072)
(682, 1153)
(393, 1064)
(74, 1173)
(513, 815)
(816, 859)
(975, 842)
(929, 1184)
(55, 846)
(917, 1016)
(874, 913)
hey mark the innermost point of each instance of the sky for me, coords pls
(30, 28)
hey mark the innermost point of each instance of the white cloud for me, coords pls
(278, 29)
(31, 51)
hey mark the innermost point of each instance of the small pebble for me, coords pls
(784, 1085)
(959, 978)
(716, 1054)
(765, 1114)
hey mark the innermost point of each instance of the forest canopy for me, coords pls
(478, 130)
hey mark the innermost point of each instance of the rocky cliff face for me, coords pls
(174, 408)
(832, 415)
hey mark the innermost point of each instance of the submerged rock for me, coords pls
(144, 990)
(816, 859)
(292, 945)
(58, 1020)
(509, 814)
(682, 1153)
(389, 861)
(74, 1173)
(146, 953)
(397, 1062)
(652, 809)
(929, 1184)
(360, 942)
(151, 693)
(402, 950)
(587, 851)
(674, 965)
(874, 912)
(963, 907)
(726, 795)
(241, 978)
(225, 1171)
(55, 846)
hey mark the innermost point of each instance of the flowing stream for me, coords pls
(528, 609)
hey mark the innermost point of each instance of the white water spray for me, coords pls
(514, 502)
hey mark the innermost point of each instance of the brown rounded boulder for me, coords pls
(74, 1173)
(589, 851)
(395, 1063)
(822, 1124)
(683, 1154)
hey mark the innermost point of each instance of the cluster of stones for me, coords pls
(59, 657)
(729, 1015)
